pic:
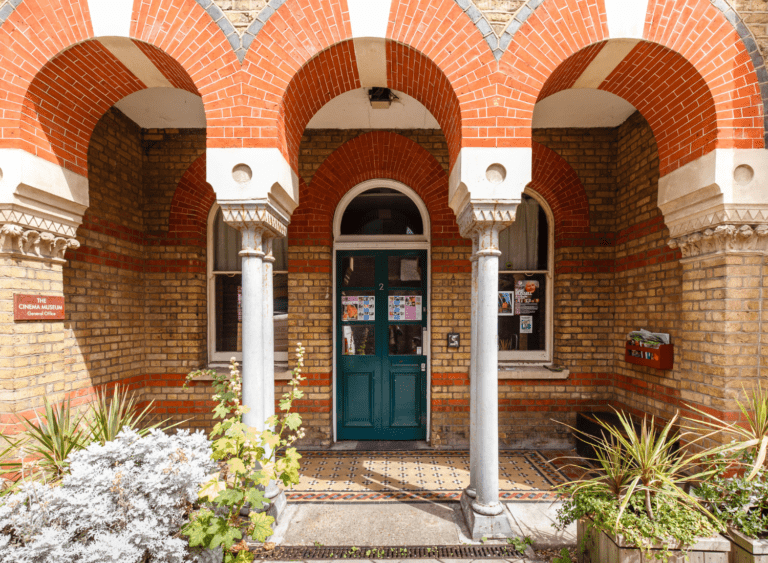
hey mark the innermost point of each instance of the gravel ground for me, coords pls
(549, 555)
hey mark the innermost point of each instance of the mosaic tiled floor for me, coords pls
(434, 476)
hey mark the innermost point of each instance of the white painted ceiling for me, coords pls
(159, 108)
(164, 108)
(581, 107)
(353, 110)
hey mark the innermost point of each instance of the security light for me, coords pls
(381, 98)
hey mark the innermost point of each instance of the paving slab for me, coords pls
(537, 520)
(376, 524)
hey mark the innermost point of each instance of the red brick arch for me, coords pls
(692, 79)
(58, 81)
(304, 57)
(191, 204)
(369, 156)
(334, 71)
(560, 186)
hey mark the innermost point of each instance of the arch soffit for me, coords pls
(61, 133)
(173, 60)
(334, 71)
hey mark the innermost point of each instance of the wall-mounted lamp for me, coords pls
(381, 98)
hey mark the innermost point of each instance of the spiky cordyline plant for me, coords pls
(56, 435)
(108, 416)
(644, 461)
(751, 433)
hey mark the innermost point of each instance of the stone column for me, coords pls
(269, 326)
(258, 223)
(484, 514)
(471, 491)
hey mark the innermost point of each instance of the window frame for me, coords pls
(216, 358)
(509, 358)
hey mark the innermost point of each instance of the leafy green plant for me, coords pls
(751, 434)
(520, 544)
(52, 439)
(249, 461)
(738, 495)
(639, 489)
(108, 415)
(563, 557)
(9, 465)
(738, 501)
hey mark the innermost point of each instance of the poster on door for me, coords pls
(404, 307)
(358, 308)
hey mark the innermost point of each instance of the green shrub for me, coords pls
(249, 461)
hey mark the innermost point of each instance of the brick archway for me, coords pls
(53, 118)
(557, 182)
(369, 156)
(691, 76)
(191, 204)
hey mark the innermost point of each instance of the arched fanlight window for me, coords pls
(225, 290)
(525, 284)
(382, 211)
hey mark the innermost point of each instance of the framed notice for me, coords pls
(38, 307)
(404, 308)
(506, 300)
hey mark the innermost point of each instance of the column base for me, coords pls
(274, 507)
(481, 526)
(277, 506)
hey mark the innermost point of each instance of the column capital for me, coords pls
(29, 244)
(479, 217)
(259, 215)
(723, 239)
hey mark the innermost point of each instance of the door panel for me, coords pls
(381, 359)
(405, 401)
(359, 399)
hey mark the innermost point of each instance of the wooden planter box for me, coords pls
(659, 358)
(747, 550)
(604, 548)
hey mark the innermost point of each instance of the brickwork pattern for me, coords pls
(648, 274)
(247, 107)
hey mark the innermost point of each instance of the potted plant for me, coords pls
(637, 502)
(738, 494)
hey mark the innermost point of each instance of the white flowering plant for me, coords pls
(248, 460)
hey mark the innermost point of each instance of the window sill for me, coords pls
(531, 372)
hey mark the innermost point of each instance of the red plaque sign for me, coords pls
(38, 307)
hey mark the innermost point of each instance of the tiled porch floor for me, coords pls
(427, 475)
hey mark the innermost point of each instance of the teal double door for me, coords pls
(381, 300)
